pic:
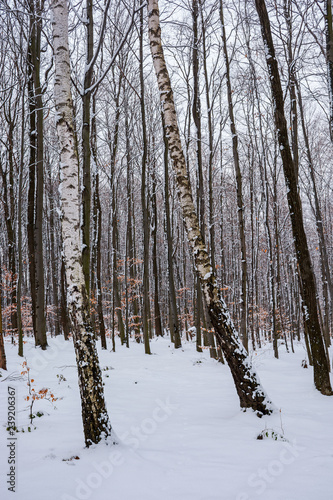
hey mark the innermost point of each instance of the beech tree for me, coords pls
(308, 287)
(36, 174)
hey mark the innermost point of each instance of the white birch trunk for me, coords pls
(248, 387)
(95, 418)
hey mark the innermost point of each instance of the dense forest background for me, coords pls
(139, 272)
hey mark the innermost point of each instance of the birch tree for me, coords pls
(250, 392)
(96, 423)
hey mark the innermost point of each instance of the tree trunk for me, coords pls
(115, 239)
(32, 185)
(94, 414)
(240, 204)
(99, 296)
(36, 179)
(174, 321)
(98, 231)
(40, 303)
(86, 153)
(308, 289)
(9, 210)
(3, 362)
(157, 312)
(329, 56)
(196, 112)
(53, 254)
(292, 85)
(65, 321)
(248, 387)
(325, 269)
(129, 234)
(144, 203)
(211, 340)
(19, 235)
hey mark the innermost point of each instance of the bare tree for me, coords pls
(329, 57)
(3, 362)
(96, 423)
(238, 175)
(248, 387)
(308, 288)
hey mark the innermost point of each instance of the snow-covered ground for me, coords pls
(181, 433)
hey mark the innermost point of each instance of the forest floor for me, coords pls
(180, 432)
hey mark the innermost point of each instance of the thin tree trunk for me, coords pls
(40, 288)
(86, 153)
(329, 56)
(19, 235)
(3, 362)
(326, 274)
(174, 321)
(210, 335)
(53, 255)
(8, 205)
(144, 203)
(65, 321)
(157, 312)
(98, 230)
(129, 236)
(292, 85)
(127, 329)
(115, 236)
(99, 296)
(196, 112)
(240, 204)
(211, 147)
(36, 178)
(32, 183)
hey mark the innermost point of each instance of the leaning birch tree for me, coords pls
(250, 392)
(96, 423)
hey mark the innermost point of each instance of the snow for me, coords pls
(180, 431)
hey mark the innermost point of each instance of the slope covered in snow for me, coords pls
(180, 433)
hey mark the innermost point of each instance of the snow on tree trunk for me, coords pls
(304, 264)
(250, 392)
(96, 423)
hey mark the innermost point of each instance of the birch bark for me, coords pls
(248, 387)
(94, 414)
